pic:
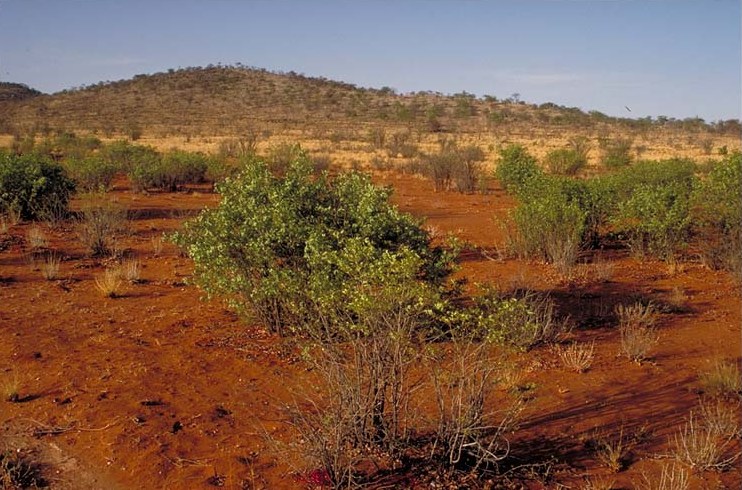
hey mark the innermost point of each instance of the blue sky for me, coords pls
(679, 58)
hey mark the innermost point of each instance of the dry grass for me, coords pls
(10, 388)
(672, 477)
(109, 283)
(36, 238)
(637, 314)
(157, 245)
(50, 266)
(130, 271)
(722, 380)
(577, 356)
(637, 341)
(597, 483)
(613, 452)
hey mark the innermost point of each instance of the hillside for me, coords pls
(16, 91)
(223, 101)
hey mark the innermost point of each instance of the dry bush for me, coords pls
(468, 434)
(720, 418)
(19, 470)
(613, 451)
(578, 357)
(701, 447)
(101, 222)
(603, 270)
(637, 340)
(9, 388)
(157, 245)
(638, 314)
(672, 477)
(722, 380)
(595, 483)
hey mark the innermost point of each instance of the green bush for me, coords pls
(655, 219)
(717, 214)
(565, 161)
(92, 173)
(31, 184)
(550, 225)
(522, 321)
(170, 171)
(616, 153)
(297, 250)
(517, 169)
(127, 156)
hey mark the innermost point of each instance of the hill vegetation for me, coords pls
(233, 100)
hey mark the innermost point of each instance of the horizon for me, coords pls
(623, 58)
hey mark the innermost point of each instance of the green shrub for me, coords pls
(550, 225)
(295, 250)
(92, 173)
(281, 155)
(655, 219)
(616, 153)
(169, 172)
(717, 214)
(517, 169)
(565, 161)
(522, 321)
(127, 156)
(30, 184)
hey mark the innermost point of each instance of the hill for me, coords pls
(231, 100)
(16, 91)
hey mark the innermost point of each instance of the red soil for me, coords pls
(159, 389)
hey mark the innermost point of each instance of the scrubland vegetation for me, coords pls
(409, 375)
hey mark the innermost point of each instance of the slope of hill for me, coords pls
(226, 100)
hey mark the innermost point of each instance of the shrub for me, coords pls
(717, 215)
(281, 155)
(616, 153)
(400, 145)
(522, 321)
(517, 169)
(655, 219)
(126, 156)
(460, 165)
(174, 169)
(565, 161)
(549, 225)
(101, 223)
(92, 173)
(281, 247)
(30, 183)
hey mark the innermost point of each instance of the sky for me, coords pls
(631, 58)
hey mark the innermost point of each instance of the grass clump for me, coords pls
(722, 380)
(109, 283)
(577, 356)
